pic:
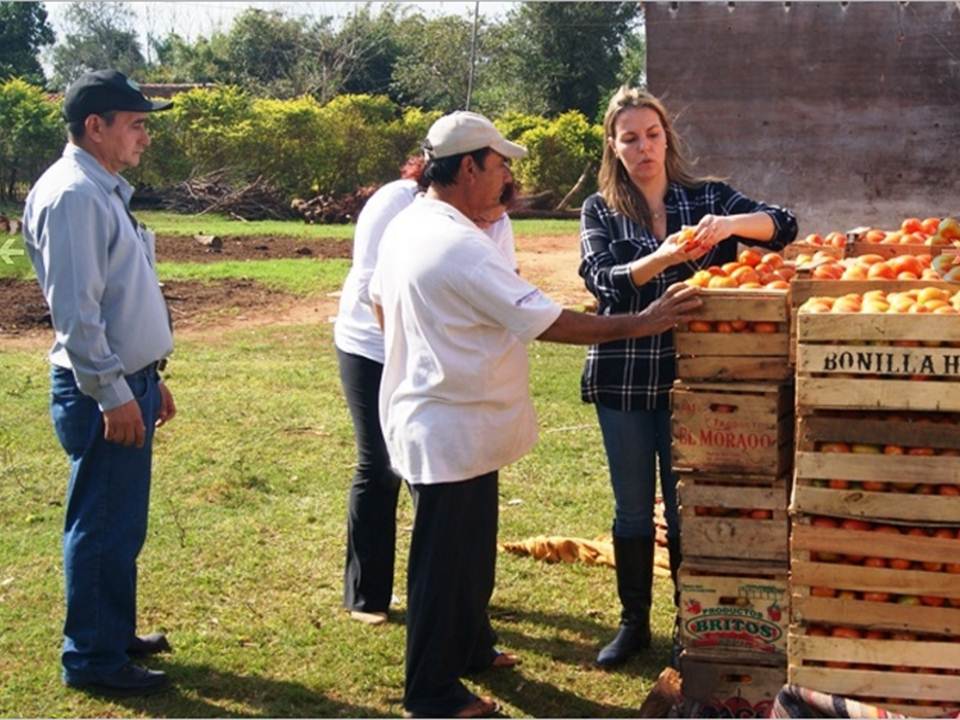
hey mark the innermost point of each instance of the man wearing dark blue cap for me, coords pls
(96, 267)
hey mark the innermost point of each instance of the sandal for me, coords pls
(480, 707)
(505, 660)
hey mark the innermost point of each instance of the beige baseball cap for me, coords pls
(463, 131)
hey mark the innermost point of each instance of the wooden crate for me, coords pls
(860, 247)
(737, 355)
(736, 689)
(733, 427)
(917, 678)
(908, 591)
(714, 515)
(849, 361)
(917, 672)
(735, 608)
(795, 249)
(898, 501)
(802, 288)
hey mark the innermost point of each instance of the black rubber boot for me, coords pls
(634, 558)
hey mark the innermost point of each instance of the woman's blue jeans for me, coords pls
(634, 442)
(105, 525)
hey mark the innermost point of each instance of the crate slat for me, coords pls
(853, 683)
(939, 470)
(868, 542)
(747, 345)
(910, 653)
(706, 537)
(814, 428)
(867, 579)
(856, 394)
(874, 615)
(730, 367)
(858, 327)
(874, 505)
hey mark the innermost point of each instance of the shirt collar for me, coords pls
(110, 182)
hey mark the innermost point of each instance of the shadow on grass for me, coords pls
(540, 699)
(202, 691)
(575, 652)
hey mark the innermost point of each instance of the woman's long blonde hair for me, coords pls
(615, 185)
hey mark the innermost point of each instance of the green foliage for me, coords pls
(513, 124)
(556, 56)
(434, 66)
(205, 130)
(558, 153)
(99, 35)
(23, 31)
(31, 134)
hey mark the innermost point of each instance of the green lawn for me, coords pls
(243, 562)
(166, 223)
(300, 276)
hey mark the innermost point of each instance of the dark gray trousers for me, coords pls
(450, 579)
(372, 509)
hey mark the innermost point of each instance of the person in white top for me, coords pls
(372, 505)
(454, 399)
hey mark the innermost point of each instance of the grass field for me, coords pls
(244, 556)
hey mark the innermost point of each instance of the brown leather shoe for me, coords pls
(152, 644)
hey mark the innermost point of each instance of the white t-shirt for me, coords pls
(454, 397)
(356, 330)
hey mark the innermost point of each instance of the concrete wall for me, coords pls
(849, 113)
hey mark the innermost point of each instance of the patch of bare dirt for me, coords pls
(187, 249)
(550, 262)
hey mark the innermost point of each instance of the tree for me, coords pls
(178, 61)
(560, 56)
(99, 35)
(373, 43)
(433, 69)
(23, 31)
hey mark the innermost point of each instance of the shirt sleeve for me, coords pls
(604, 277)
(73, 245)
(495, 290)
(733, 202)
(501, 232)
(382, 207)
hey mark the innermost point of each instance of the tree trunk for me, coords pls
(577, 187)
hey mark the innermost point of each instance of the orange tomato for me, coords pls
(930, 225)
(777, 285)
(722, 281)
(772, 260)
(699, 326)
(835, 239)
(828, 271)
(911, 225)
(740, 325)
(751, 258)
(724, 327)
(765, 328)
(730, 267)
(850, 633)
(745, 274)
(874, 236)
(881, 271)
(822, 592)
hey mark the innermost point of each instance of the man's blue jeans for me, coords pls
(634, 441)
(105, 526)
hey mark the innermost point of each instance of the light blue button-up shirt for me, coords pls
(96, 270)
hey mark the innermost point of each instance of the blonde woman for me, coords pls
(631, 253)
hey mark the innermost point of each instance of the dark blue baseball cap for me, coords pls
(95, 93)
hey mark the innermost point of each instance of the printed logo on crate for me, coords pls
(891, 363)
(746, 617)
(723, 433)
(735, 706)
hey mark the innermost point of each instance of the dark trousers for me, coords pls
(105, 525)
(450, 576)
(372, 508)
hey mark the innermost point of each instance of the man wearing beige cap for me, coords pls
(454, 399)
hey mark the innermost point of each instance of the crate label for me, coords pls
(724, 434)
(890, 363)
(727, 612)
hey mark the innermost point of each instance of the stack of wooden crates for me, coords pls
(875, 548)
(733, 427)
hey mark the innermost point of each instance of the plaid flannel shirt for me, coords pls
(636, 374)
